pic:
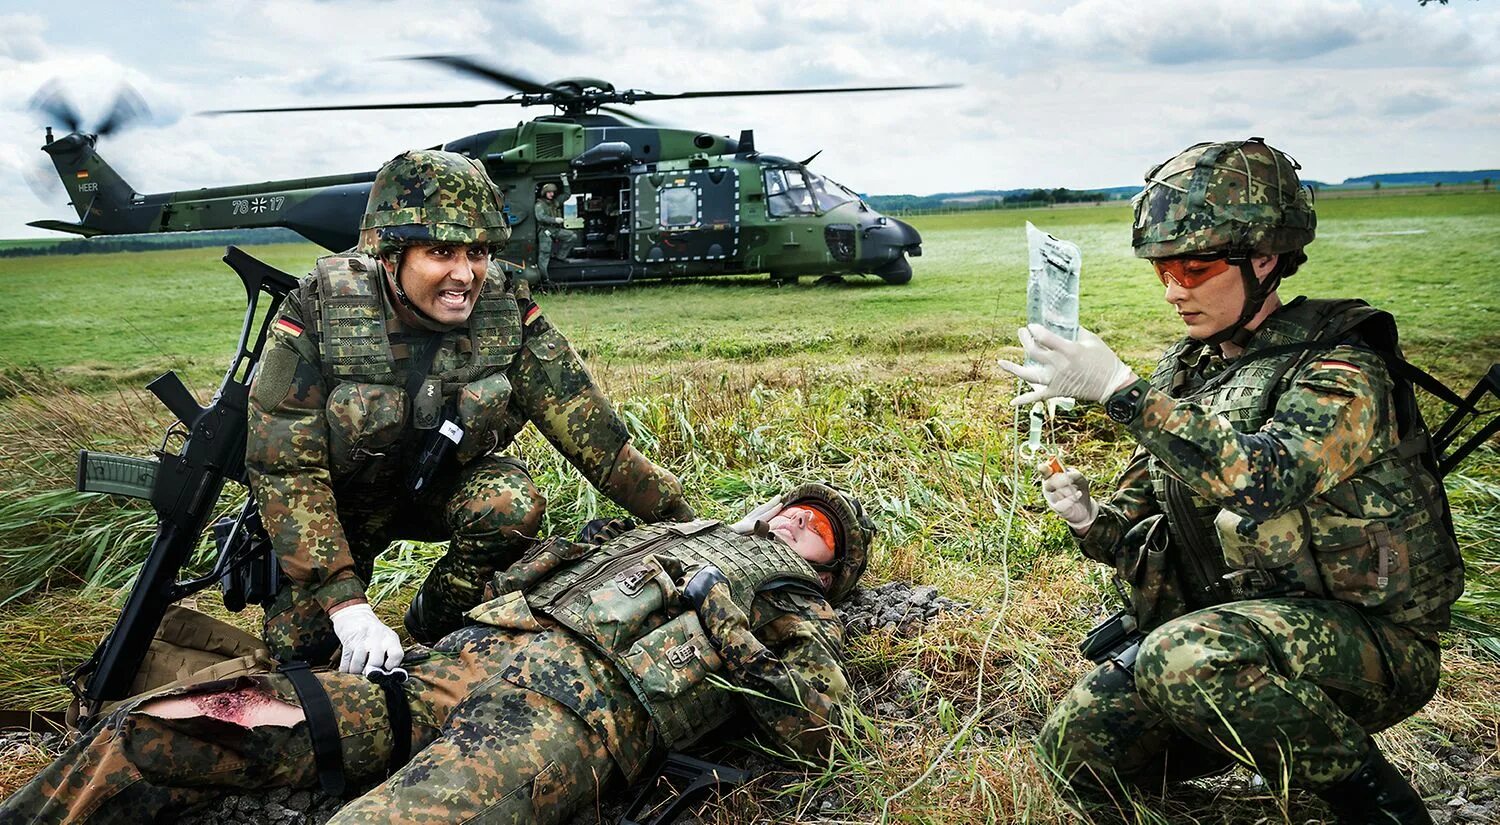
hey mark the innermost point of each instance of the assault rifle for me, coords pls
(183, 487)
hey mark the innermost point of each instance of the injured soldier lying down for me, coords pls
(586, 664)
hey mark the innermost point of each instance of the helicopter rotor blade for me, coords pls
(771, 92)
(53, 102)
(354, 107)
(464, 65)
(129, 107)
(629, 116)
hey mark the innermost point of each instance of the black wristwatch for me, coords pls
(1125, 404)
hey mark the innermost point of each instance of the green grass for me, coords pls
(740, 387)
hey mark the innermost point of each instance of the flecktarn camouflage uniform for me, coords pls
(337, 419)
(553, 239)
(520, 718)
(1286, 543)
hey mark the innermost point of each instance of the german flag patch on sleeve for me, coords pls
(1330, 364)
(290, 327)
(530, 313)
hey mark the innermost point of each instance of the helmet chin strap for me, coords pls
(1256, 293)
(393, 277)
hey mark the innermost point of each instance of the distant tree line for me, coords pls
(145, 243)
(993, 199)
(1061, 194)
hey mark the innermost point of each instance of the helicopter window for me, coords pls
(828, 193)
(787, 193)
(679, 206)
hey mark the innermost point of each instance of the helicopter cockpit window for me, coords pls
(787, 194)
(828, 193)
(679, 206)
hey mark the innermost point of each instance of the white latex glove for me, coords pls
(368, 644)
(746, 525)
(1086, 369)
(1067, 493)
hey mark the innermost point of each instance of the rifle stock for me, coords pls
(183, 488)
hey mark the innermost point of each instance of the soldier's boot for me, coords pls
(1376, 794)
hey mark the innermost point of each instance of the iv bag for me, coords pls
(1052, 288)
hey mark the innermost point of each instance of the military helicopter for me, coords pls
(654, 202)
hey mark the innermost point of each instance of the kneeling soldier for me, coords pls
(394, 376)
(1282, 525)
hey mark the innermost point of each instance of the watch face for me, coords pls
(1123, 408)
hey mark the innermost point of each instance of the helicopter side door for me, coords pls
(687, 215)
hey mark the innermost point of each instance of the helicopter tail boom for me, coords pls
(97, 192)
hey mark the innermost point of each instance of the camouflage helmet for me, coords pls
(549, 187)
(1240, 197)
(851, 526)
(430, 196)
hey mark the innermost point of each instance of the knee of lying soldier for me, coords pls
(499, 513)
(1191, 660)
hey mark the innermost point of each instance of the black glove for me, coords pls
(604, 530)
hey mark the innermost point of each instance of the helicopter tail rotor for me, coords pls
(128, 109)
(53, 101)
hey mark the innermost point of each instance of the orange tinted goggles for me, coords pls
(1189, 272)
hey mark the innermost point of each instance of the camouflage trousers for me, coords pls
(553, 243)
(493, 741)
(1288, 687)
(489, 510)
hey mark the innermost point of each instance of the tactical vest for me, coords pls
(368, 408)
(1381, 539)
(623, 599)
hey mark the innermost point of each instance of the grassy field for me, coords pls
(740, 387)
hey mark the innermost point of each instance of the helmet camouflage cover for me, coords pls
(852, 527)
(431, 196)
(1241, 196)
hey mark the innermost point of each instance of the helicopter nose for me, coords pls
(885, 243)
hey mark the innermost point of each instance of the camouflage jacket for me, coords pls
(1296, 478)
(549, 214)
(785, 651)
(301, 458)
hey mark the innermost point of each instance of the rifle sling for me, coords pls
(322, 727)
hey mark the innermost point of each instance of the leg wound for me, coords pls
(248, 707)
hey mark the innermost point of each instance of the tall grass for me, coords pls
(741, 389)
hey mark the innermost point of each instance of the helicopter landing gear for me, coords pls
(896, 272)
(830, 280)
(782, 279)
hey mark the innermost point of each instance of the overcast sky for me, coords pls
(1078, 94)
